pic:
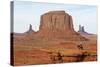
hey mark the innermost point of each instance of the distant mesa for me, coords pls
(58, 24)
(56, 21)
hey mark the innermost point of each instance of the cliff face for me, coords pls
(58, 24)
(56, 21)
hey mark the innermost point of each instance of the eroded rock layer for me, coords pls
(58, 24)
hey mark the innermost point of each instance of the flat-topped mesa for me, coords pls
(56, 12)
(58, 24)
(56, 21)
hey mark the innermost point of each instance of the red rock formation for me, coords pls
(55, 25)
(30, 30)
(56, 21)
(82, 31)
(58, 24)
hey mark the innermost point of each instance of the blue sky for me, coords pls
(27, 12)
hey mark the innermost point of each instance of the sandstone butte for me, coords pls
(56, 25)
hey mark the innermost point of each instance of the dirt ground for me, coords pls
(36, 51)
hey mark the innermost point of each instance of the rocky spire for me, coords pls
(30, 29)
(81, 28)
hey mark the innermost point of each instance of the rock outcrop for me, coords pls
(58, 24)
(30, 29)
(82, 30)
(56, 21)
(89, 36)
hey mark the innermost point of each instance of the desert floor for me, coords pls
(43, 51)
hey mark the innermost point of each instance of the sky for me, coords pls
(27, 12)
